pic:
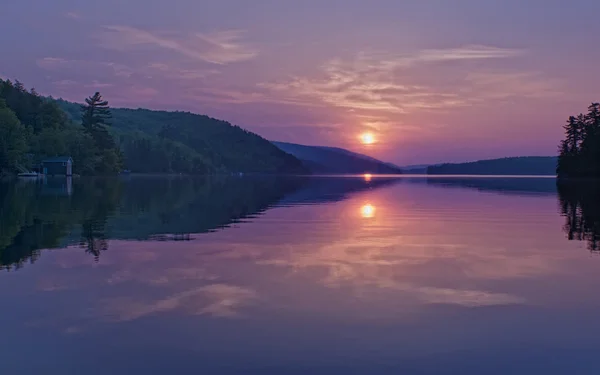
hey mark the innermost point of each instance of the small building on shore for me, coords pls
(58, 166)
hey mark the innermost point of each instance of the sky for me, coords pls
(432, 80)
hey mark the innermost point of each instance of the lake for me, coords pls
(291, 275)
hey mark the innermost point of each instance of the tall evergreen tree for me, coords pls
(96, 112)
(580, 150)
(95, 117)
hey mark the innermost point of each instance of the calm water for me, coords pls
(299, 276)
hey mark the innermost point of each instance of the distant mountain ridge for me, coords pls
(523, 165)
(334, 160)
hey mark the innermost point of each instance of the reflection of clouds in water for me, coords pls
(470, 298)
(219, 300)
(389, 262)
(166, 277)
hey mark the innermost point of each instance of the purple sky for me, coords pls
(433, 80)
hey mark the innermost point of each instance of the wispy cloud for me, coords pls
(174, 71)
(367, 84)
(217, 300)
(470, 52)
(65, 82)
(506, 85)
(222, 47)
(59, 63)
(73, 15)
(99, 85)
(51, 62)
(376, 90)
(226, 47)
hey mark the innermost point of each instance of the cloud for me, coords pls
(99, 85)
(467, 298)
(226, 48)
(381, 90)
(366, 85)
(173, 71)
(73, 15)
(71, 65)
(223, 47)
(218, 300)
(506, 85)
(65, 82)
(471, 52)
(51, 62)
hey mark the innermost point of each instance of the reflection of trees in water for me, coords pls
(511, 185)
(36, 216)
(99, 209)
(103, 199)
(146, 208)
(93, 238)
(580, 206)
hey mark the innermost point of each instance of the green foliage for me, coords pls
(95, 116)
(145, 153)
(13, 139)
(580, 150)
(102, 140)
(35, 125)
(190, 143)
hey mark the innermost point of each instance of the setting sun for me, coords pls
(367, 138)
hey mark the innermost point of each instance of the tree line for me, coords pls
(579, 151)
(184, 142)
(103, 140)
(33, 128)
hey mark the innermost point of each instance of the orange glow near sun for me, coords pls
(368, 177)
(367, 138)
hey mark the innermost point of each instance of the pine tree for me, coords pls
(95, 114)
(580, 150)
(95, 117)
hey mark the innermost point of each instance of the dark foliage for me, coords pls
(580, 150)
(33, 128)
(95, 116)
(183, 142)
(527, 165)
(580, 206)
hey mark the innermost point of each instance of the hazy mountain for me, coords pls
(525, 165)
(323, 160)
(415, 169)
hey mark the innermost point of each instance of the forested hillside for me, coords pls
(161, 141)
(33, 128)
(527, 165)
(102, 140)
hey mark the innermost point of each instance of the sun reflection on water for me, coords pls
(367, 211)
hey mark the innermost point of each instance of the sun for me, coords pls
(367, 138)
